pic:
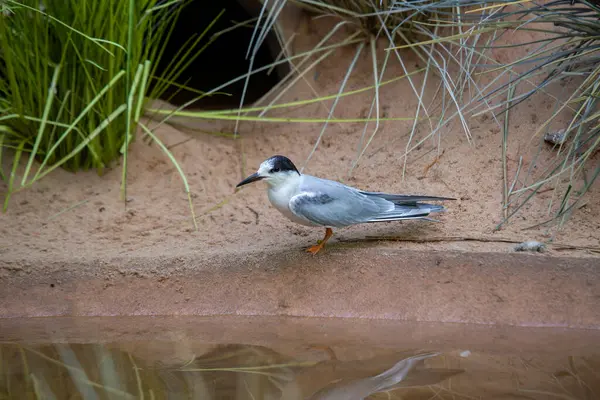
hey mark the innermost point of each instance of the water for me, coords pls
(291, 358)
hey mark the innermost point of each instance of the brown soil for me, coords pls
(81, 216)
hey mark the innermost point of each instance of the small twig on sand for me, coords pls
(170, 147)
(68, 209)
(440, 239)
(555, 246)
(256, 215)
(435, 161)
(545, 190)
(560, 246)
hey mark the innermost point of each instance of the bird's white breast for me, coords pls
(280, 197)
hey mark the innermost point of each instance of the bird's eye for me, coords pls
(274, 170)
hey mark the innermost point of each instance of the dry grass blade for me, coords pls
(179, 170)
(329, 117)
(505, 192)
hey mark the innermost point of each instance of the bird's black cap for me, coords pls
(282, 163)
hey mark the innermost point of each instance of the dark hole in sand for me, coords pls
(225, 58)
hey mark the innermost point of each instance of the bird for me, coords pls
(317, 202)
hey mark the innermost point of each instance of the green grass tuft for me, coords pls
(74, 78)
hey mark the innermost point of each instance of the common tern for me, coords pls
(312, 201)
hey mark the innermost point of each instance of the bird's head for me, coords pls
(274, 171)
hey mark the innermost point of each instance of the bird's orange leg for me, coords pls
(317, 247)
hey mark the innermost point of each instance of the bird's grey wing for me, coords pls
(405, 199)
(332, 204)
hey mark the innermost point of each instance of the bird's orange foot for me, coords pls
(321, 243)
(315, 249)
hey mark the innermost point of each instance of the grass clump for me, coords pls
(367, 15)
(75, 77)
(566, 51)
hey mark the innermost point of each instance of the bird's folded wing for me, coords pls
(405, 199)
(335, 209)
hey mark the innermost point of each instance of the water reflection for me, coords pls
(162, 370)
(393, 378)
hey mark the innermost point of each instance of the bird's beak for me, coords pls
(252, 178)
